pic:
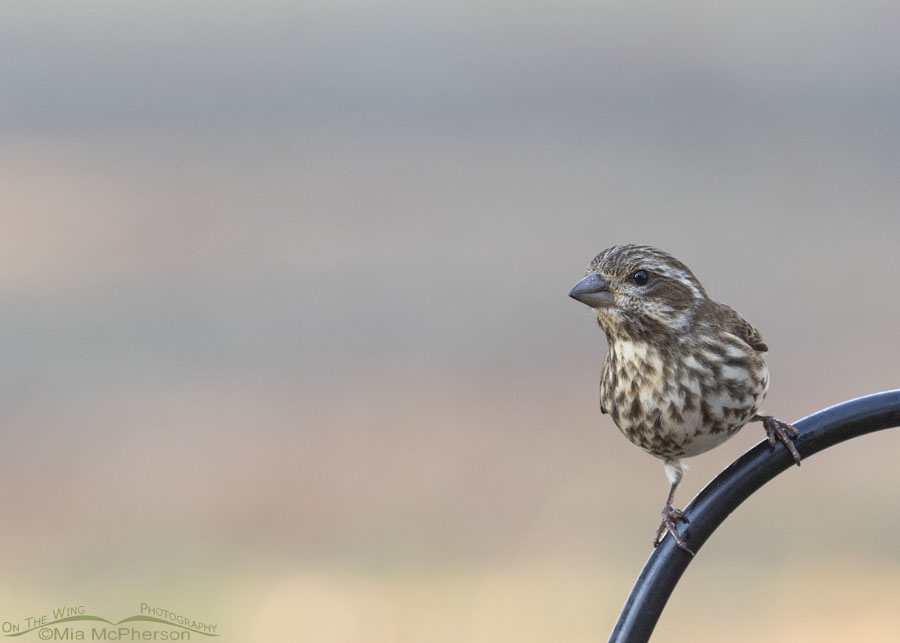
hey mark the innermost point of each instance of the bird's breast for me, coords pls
(680, 400)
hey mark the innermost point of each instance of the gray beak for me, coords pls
(593, 291)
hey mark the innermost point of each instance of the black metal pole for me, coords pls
(734, 485)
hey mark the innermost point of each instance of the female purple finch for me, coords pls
(683, 373)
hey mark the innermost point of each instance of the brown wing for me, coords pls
(734, 323)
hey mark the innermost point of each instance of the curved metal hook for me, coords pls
(734, 485)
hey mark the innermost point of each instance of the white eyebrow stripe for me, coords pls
(677, 274)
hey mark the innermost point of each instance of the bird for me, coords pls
(682, 373)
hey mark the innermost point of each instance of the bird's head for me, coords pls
(640, 292)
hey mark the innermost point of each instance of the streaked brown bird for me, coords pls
(683, 372)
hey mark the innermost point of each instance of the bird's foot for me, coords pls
(670, 518)
(782, 432)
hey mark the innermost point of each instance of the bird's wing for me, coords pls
(739, 326)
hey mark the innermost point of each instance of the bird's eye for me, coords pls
(640, 277)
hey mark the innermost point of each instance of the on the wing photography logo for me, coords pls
(74, 623)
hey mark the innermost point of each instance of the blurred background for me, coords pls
(286, 338)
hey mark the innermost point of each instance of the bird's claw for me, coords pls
(782, 432)
(670, 518)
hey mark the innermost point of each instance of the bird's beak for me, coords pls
(593, 291)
